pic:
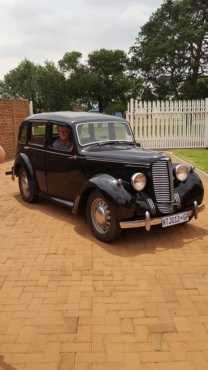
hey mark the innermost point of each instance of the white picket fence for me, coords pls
(169, 124)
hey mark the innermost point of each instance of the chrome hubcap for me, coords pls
(100, 215)
(25, 184)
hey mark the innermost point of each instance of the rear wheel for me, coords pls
(101, 216)
(27, 187)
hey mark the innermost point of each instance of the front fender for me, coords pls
(190, 190)
(22, 160)
(111, 189)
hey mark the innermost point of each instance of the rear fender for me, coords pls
(23, 160)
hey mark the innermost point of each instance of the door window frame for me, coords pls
(23, 127)
(38, 123)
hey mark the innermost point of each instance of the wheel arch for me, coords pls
(23, 161)
(109, 187)
(81, 201)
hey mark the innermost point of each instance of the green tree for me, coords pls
(109, 79)
(3, 89)
(22, 81)
(51, 93)
(44, 85)
(77, 76)
(103, 80)
(172, 47)
(201, 90)
(70, 61)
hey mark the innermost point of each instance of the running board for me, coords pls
(61, 201)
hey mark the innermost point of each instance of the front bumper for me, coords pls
(148, 222)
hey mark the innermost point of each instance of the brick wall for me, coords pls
(12, 113)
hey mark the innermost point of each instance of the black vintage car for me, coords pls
(91, 161)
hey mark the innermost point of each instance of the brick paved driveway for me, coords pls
(70, 302)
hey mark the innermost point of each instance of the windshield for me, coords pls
(103, 132)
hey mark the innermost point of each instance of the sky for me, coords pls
(41, 30)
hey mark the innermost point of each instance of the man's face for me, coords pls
(64, 134)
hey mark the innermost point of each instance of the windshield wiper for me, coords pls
(116, 142)
(123, 142)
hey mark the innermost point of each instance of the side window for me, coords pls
(61, 139)
(23, 134)
(55, 131)
(38, 133)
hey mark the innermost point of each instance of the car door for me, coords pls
(35, 150)
(62, 168)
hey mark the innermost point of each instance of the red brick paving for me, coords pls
(69, 302)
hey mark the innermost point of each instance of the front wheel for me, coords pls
(101, 216)
(27, 186)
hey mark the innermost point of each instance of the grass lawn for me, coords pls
(198, 157)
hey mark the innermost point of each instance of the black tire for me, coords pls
(27, 186)
(109, 230)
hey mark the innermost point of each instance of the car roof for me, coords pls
(72, 117)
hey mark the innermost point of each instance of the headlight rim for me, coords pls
(188, 169)
(133, 177)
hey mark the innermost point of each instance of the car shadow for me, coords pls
(131, 242)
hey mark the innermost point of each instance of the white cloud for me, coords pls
(46, 29)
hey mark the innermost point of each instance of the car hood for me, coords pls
(129, 156)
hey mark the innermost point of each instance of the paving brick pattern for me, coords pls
(69, 302)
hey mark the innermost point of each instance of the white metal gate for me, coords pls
(169, 124)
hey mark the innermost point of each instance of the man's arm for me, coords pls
(2, 154)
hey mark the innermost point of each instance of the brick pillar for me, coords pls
(12, 113)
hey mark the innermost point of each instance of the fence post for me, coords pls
(131, 111)
(206, 123)
(31, 107)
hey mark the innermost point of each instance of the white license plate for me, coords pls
(175, 219)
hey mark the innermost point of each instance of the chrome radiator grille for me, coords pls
(162, 177)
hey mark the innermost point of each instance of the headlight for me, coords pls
(138, 181)
(182, 172)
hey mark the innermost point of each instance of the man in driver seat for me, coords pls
(64, 141)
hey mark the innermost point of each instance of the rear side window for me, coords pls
(23, 135)
(38, 134)
(55, 130)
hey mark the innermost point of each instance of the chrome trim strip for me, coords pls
(196, 210)
(148, 222)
